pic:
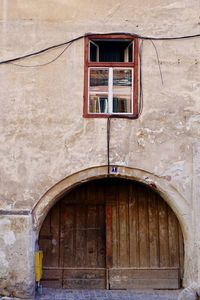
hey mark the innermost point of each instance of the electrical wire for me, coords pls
(108, 145)
(42, 50)
(44, 64)
(169, 38)
(140, 82)
(158, 60)
(143, 37)
(89, 34)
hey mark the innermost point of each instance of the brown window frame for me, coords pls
(133, 65)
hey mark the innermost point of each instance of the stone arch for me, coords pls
(161, 185)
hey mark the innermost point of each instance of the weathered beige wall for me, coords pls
(43, 136)
(16, 256)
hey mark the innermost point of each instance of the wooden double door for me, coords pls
(113, 234)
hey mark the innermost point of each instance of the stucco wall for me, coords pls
(16, 256)
(43, 136)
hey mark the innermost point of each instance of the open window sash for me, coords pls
(129, 53)
(93, 51)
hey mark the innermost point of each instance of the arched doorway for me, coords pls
(112, 233)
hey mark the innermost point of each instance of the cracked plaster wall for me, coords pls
(43, 136)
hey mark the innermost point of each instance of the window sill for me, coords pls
(111, 116)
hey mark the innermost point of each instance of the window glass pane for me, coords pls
(98, 103)
(121, 103)
(99, 80)
(122, 81)
(122, 77)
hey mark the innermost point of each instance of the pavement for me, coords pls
(56, 294)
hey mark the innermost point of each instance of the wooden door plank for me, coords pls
(84, 278)
(173, 239)
(143, 229)
(87, 220)
(141, 278)
(67, 235)
(124, 248)
(55, 228)
(45, 239)
(80, 237)
(49, 238)
(153, 229)
(46, 227)
(91, 236)
(181, 252)
(108, 236)
(134, 226)
(52, 278)
(115, 234)
(101, 237)
(163, 234)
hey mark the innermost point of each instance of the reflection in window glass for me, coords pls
(122, 77)
(122, 89)
(110, 90)
(99, 80)
(121, 104)
(98, 104)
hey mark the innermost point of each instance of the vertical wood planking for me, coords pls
(181, 252)
(101, 238)
(91, 235)
(55, 228)
(67, 235)
(101, 233)
(123, 230)
(118, 225)
(141, 232)
(173, 239)
(80, 234)
(45, 240)
(115, 241)
(108, 235)
(46, 226)
(133, 224)
(110, 191)
(49, 238)
(163, 234)
(88, 253)
(143, 229)
(153, 229)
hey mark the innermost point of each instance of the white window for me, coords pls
(110, 90)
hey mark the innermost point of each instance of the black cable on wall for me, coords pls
(108, 145)
(89, 34)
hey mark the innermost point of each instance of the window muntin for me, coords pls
(111, 85)
(110, 90)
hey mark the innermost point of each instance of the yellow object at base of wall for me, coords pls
(38, 265)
